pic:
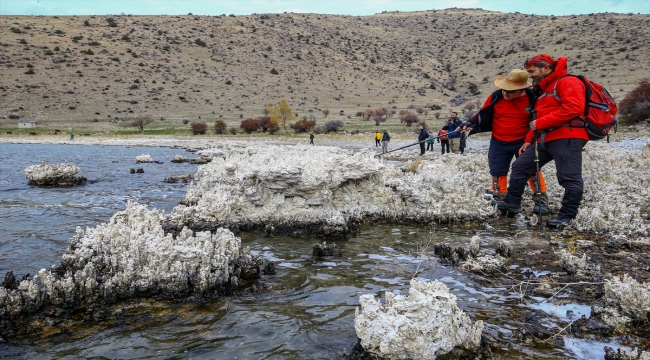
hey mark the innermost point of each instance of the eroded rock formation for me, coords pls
(423, 325)
(45, 174)
(327, 190)
(130, 256)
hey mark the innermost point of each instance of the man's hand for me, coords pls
(533, 125)
(524, 147)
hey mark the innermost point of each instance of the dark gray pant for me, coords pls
(567, 154)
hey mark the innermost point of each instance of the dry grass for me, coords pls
(325, 62)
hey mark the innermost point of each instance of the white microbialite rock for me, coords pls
(322, 189)
(571, 263)
(130, 256)
(146, 158)
(425, 324)
(629, 297)
(45, 174)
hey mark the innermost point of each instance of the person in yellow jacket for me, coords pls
(377, 139)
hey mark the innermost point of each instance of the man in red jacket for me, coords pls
(557, 128)
(505, 114)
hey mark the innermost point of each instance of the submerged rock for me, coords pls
(146, 158)
(45, 174)
(423, 325)
(126, 258)
(323, 249)
(179, 178)
(180, 159)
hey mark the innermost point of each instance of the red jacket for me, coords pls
(562, 99)
(510, 119)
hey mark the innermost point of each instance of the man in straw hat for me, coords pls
(557, 131)
(504, 114)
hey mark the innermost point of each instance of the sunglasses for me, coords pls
(510, 91)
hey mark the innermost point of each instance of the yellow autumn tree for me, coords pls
(282, 114)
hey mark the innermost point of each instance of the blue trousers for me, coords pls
(500, 155)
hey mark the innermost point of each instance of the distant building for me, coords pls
(26, 124)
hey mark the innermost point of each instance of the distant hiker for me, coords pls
(504, 114)
(450, 130)
(430, 141)
(454, 136)
(422, 136)
(377, 138)
(463, 141)
(71, 136)
(311, 137)
(385, 139)
(443, 138)
(557, 129)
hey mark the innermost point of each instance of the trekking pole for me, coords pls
(538, 187)
(416, 143)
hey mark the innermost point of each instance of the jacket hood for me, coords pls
(561, 70)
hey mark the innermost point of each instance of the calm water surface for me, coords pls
(308, 310)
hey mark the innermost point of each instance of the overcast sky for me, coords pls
(342, 7)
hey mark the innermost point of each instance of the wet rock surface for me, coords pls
(127, 258)
(55, 175)
(323, 249)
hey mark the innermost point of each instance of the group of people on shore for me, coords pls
(547, 112)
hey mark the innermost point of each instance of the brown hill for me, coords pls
(87, 68)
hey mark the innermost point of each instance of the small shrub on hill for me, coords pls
(333, 126)
(408, 118)
(220, 127)
(303, 125)
(233, 130)
(249, 125)
(635, 106)
(200, 42)
(199, 128)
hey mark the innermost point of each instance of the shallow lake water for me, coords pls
(307, 311)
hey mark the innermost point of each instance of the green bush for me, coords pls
(15, 30)
(274, 72)
(200, 42)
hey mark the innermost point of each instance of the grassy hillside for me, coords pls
(96, 72)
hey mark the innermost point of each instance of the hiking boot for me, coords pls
(508, 208)
(559, 222)
(541, 204)
(498, 197)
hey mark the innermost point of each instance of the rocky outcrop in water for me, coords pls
(330, 191)
(300, 189)
(423, 325)
(45, 174)
(146, 158)
(128, 257)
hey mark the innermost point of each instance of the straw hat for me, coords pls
(517, 79)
